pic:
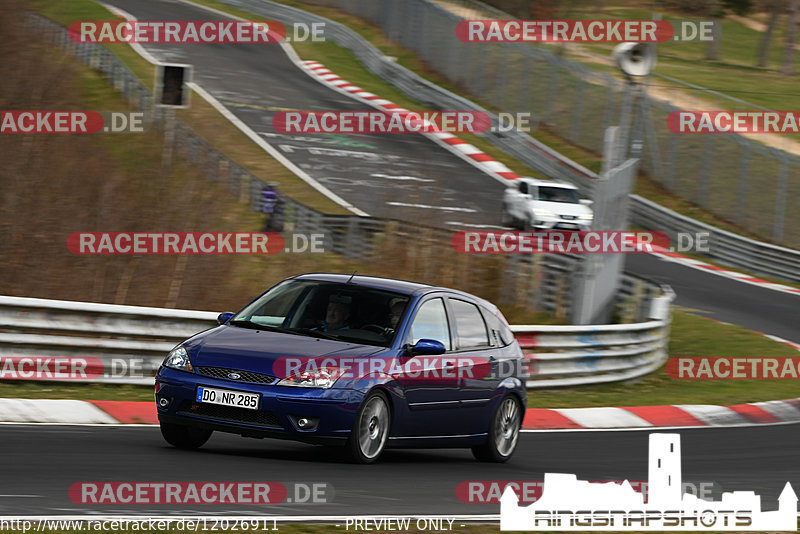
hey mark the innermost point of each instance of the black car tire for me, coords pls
(503, 432)
(185, 437)
(370, 430)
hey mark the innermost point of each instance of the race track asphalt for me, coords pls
(39, 463)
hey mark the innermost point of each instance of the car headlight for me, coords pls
(543, 213)
(586, 216)
(324, 378)
(179, 359)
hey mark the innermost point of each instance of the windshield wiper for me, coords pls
(246, 323)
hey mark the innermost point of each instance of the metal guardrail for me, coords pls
(725, 247)
(128, 343)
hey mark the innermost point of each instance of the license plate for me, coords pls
(226, 397)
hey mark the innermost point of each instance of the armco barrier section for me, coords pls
(128, 343)
(725, 247)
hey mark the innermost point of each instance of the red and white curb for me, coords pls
(722, 271)
(689, 415)
(453, 143)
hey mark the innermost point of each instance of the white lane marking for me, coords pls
(427, 207)
(407, 178)
(459, 223)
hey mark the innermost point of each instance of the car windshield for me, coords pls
(328, 310)
(558, 194)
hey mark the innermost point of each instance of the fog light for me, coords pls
(304, 424)
(163, 402)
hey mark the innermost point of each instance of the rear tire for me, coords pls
(370, 430)
(503, 432)
(185, 437)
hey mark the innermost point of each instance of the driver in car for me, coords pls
(337, 314)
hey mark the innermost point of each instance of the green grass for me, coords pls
(691, 336)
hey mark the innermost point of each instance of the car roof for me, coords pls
(391, 284)
(549, 183)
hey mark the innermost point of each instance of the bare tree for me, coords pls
(774, 8)
(791, 29)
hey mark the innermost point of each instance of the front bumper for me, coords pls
(561, 224)
(280, 408)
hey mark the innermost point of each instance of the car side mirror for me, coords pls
(587, 202)
(427, 347)
(224, 317)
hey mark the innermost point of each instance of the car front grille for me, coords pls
(245, 376)
(229, 414)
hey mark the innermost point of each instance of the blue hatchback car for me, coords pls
(359, 361)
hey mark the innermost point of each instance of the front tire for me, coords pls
(184, 437)
(505, 217)
(503, 432)
(370, 430)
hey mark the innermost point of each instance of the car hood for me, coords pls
(561, 208)
(256, 350)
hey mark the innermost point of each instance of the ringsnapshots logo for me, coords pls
(569, 504)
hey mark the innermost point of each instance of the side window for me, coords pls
(523, 188)
(431, 323)
(470, 328)
(499, 333)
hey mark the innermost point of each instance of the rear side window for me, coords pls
(431, 323)
(499, 332)
(523, 188)
(470, 328)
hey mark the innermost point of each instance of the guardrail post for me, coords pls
(780, 199)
